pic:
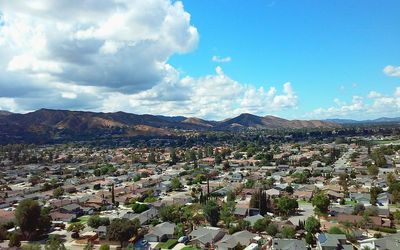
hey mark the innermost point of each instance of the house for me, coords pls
(206, 236)
(252, 219)
(326, 241)
(288, 244)
(101, 231)
(72, 209)
(273, 192)
(374, 220)
(161, 232)
(240, 212)
(229, 242)
(236, 177)
(387, 242)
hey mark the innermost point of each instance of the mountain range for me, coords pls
(49, 124)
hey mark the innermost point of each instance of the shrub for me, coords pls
(14, 240)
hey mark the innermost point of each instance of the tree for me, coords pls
(211, 212)
(289, 190)
(335, 230)
(170, 213)
(359, 208)
(288, 232)
(32, 247)
(104, 247)
(75, 228)
(95, 221)
(312, 225)
(373, 170)
(231, 196)
(309, 238)
(58, 192)
(227, 213)
(218, 159)
(374, 192)
(89, 246)
(122, 229)
(139, 207)
(27, 216)
(14, 240)
(176, 184)
(272, 229)
(54, 243)
(321, 203)
(343, 181)
(286, 205)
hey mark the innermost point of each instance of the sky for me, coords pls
(212, 59)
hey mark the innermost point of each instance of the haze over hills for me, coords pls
(371, 121)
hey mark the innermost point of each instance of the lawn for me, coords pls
(303, 202)
(82, 220)
(383, 142)
(191, 248)
(168, 244)
(350, 202)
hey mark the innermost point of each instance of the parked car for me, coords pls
(183, 239)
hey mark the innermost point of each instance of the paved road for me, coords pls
(307, 210)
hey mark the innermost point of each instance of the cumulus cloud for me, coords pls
(122, 45)
(221, 59)
(392, 70)
(375, 104)
(213, 96)
(111, 55)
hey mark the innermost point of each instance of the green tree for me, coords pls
(373, 169)
(89, 246)
(312, 225)
(211, 212)
(335, 230)
(309, 238)
(227, 213)
(374, 192)
(27, 216)
(272, 229)
(33, 246)
(58, 192)
(122, 229)
(231, 196)
(288, 233)
(54, 243)
(14, 240)
(95, 221)
(76, 228)
(321, 203)
(176, 184)
(104, 247)
(170, 213)
(287, 206)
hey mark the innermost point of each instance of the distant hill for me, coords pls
(47, 124)
(272, 122)
(373, 121)
(4, 112)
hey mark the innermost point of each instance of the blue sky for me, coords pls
(326, 49)
(293, 58)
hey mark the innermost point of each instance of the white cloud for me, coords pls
(375, 104)
(110, 55)
(119, 44)
(213, 97)
(221, 59)
(392, 70)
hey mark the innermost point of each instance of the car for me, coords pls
(144, 242)
(183, 239)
